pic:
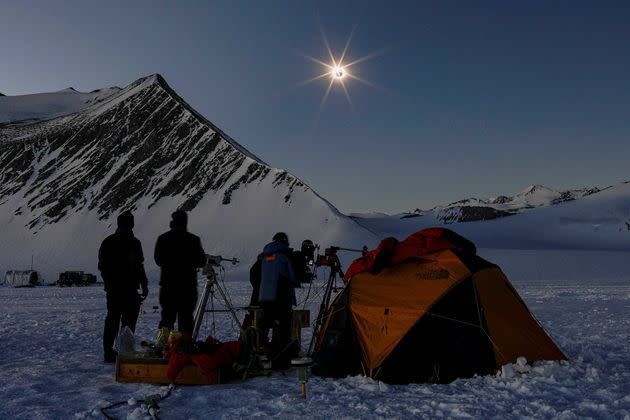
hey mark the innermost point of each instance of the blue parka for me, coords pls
(278, 279)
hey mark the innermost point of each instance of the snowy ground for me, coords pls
(51, 360)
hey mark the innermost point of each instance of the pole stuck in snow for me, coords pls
(302, 364)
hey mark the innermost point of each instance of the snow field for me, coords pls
(51, 363)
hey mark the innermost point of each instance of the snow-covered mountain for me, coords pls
(599, 220)
(474, 209)
(63, 180)
(42, 106)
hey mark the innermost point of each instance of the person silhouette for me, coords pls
(121, 263)
(179, 254)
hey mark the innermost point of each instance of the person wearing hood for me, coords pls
(277, 295)
(179, 254)
(121, 263)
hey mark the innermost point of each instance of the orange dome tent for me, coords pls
(427, 309)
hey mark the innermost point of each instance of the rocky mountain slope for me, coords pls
(63, 179)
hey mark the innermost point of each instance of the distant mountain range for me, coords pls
(538, 218)
(475, 209)
(42, 106)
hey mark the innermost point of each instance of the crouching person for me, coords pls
(121, 263)
(179, 254)
(277, 298)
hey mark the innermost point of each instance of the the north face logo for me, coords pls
(432, 273)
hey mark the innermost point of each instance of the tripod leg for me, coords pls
(228, 305)
(201, 307)
(323, 308)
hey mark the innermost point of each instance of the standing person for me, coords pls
(179, 254)
(121, 263)
(277, 295)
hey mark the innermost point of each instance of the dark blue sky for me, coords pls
(480, 98)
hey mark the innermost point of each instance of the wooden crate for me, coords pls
(152, 370)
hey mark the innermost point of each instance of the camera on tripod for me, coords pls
(304, 261)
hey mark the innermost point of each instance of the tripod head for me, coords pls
(330, 258)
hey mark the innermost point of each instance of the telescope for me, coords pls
(217, 260)
(333, 250)
(330, 258)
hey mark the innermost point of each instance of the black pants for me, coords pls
(178, 304)
(279, 317)
(122, 309)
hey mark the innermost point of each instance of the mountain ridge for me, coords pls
(208, 140)
(37, 107)
(475, 209)
(598, 221)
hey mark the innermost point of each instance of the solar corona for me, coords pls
(338, 70)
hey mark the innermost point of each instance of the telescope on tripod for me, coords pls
(213, 262)
(329, 259)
